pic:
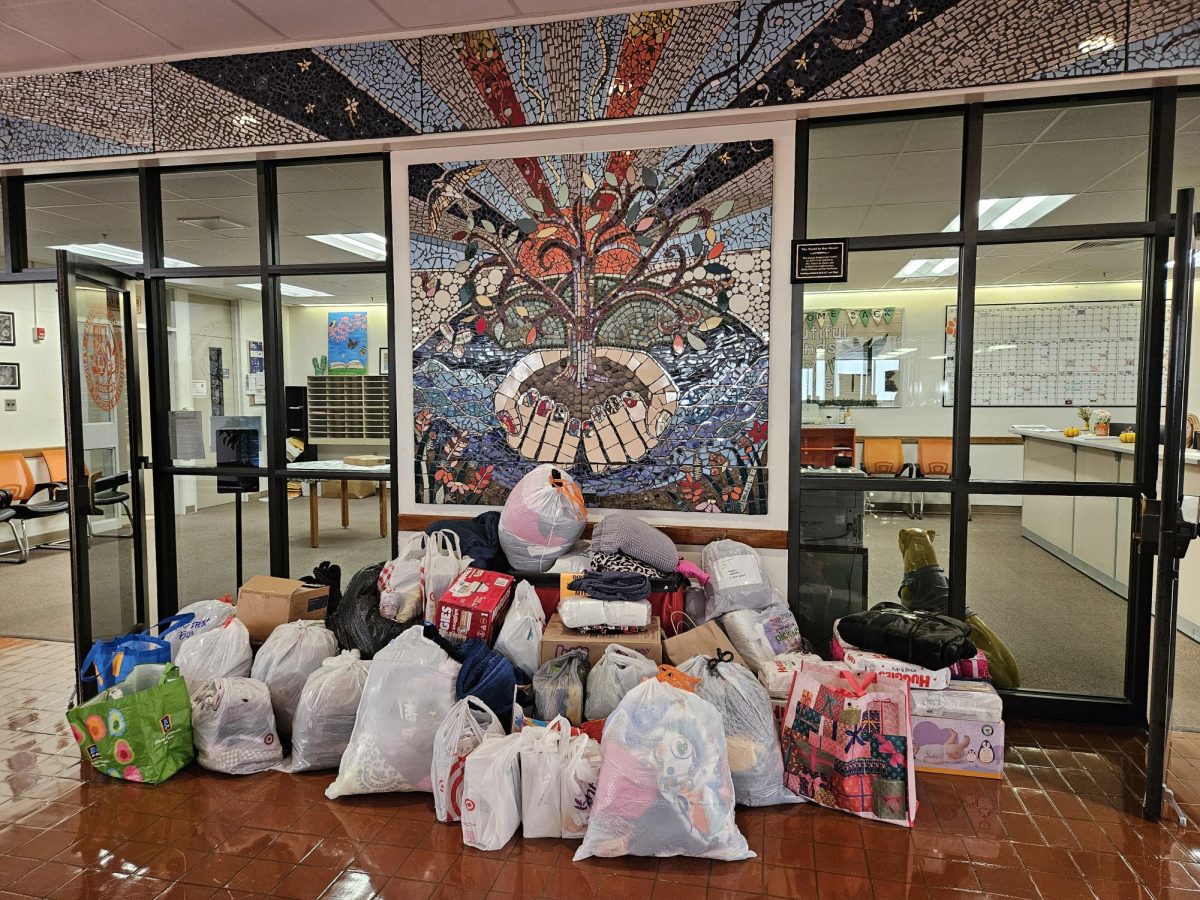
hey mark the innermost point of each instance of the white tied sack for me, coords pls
(463, 729)
(443, 561)
(541, 790)
(292, 652)
(751, 733)
(400, 582)
(520, 638)
(233, 726)
(664, 787)
(206, 615)
(491, 809)
(325, 714)
(736, 579)
(542, 518)
(219, 653)
(409, 690)
(577, 776)
(760, 635)
(615, 674)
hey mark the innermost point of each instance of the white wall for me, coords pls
(305, 334)
(38, 421)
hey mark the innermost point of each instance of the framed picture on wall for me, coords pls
(10, 376)
(385, 362)
(8, 330)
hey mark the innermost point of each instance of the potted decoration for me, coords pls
(1085, 413)
(1103, 417)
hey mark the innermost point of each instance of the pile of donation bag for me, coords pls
(612, 693)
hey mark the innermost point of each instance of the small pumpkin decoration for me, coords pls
(1128, 437)
(1071, 432)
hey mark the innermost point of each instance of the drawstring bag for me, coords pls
(205, 616)
(234, 726)
(542, 518)
(464, 728)
(442, 562)
(220, 653)
(558, 686)
(751, 735)
(618, 671)
(291, 653)
(400, 582)
(325, 713)
(520, 637)
(491, 809)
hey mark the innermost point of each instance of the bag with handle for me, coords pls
(541, 762)
(221, 653)
(443, 560)
(205, 616)
(543, 516)
(491, 809)
(400, 582)
(464, 728)
(234, 726)
(578, 774)
(617, 672)
(520, 637)
(325, 714)
(925, 639)
(112, 659)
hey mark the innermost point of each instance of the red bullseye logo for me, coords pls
(269, 740)
(469, 805)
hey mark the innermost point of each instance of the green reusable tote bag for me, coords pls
(140, 729)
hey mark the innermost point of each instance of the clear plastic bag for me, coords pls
(400, 582)
(616, 673)
(233, 726)
(409, 691)
(520, 637)
(759, 635)
(492, 792)
(751, 733)
(206, 615)
(220, 653)
(586, 612)
(463, 729)
(578, 775)
(325, 713)
(664, 787)
(292, 652)
(558, 687)
(736, 579)
(543, 517)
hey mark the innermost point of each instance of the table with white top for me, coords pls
(317, 470)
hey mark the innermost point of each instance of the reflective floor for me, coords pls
(1064, 824)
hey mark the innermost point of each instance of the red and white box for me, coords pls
(473, 605)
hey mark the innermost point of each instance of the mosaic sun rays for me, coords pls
(605, 312)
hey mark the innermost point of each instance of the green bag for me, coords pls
(140, 729)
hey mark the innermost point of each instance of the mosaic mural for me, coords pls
(693, 58)
(605, 312)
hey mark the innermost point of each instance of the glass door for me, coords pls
(103, 422)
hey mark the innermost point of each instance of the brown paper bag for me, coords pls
(703, 640)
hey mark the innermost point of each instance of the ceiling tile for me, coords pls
(198, 26)
(20, 51)
(322, 20)
(86, 29)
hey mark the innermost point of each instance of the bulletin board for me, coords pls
(1051, 354)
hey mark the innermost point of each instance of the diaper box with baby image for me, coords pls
(946, 746)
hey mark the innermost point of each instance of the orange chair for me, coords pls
(883, 457)
(17, 479)
(935, 459)
(106, 494)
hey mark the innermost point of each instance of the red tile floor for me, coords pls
(1063, 824)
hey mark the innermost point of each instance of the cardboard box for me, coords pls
(557, 639)
(355, 490)
(958, 747)
(474, 604)
(974, 700)
(365, 459)
(265, 602)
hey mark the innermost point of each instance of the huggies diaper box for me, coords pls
(958, 731)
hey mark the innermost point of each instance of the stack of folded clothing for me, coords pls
(605, 601)
(622, 543)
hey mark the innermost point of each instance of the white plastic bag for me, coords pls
(759, 635)
(463, 729)
(443, 560)
(751, 735)
(206, 615)
(233, 726)
(578, 775)
(736, 579)
(543, 516)
(219, 653)
(587, 612)
(616, 673)
(541, 762)
(400, 582)
(409, 690)
(558, 686)
(491, 809)
(325, 714)
(292, 652)
(664, 787)
(520, 637)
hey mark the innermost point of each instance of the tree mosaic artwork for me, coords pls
(605, 312)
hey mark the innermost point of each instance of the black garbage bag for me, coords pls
(331, 576)
(357, 623)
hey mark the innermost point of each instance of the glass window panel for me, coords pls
(331, 212)
(1187, 145)
(353, 531)
(96, 216)
(1057, 334)
(217, 363)
(1066, 165)
(205, 535)
(210, 217)
(889, 176)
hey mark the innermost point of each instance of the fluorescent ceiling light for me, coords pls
(113, 253)
(1013, 212)
(940, 356)
(996, 347)
(929, 268)
(900, 351)
(366, 243)
(288, 290)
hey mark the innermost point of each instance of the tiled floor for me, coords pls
(1064, 824)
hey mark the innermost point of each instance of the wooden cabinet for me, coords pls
(821, 445)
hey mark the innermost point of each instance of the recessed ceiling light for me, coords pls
(288, 290)
(995, 347)
(366, 243)
(995, 213)
(211, 223)
(113, 253)
(940, 356)
(923, 267)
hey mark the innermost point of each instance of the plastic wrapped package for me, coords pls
(736, 579)
(584, 612)
(206, 615)
(776, 676)
(325, 713)
(233, 726)
(558, 686)
(577, 558)
(492, 792)
(357, 623)
(292, 652)
(615, 674)
(751, 734)
(578, 775)
(399, 582)
(463, 729)
(541, 760)
(664, 787)
(543, 517)
(408, 693)
(222, 652)
(520, 637)
(759, 635)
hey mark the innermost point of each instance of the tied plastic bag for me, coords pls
(325, 713)
(618, 671)
(558, 686)
(206, 615)
(400, 582)
(543, 517)
(220, 653)
(491, 808)
(578, 775)
(234, 727)
(292, 652)
(736, 579)
(541, 791)
(520, 637)
(357, 623)
(759, 635)
(464, 728)
(664, 787)
(751, 734)
(443, 561)
(409, 691)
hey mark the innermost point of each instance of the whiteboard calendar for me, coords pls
(1051, 354)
